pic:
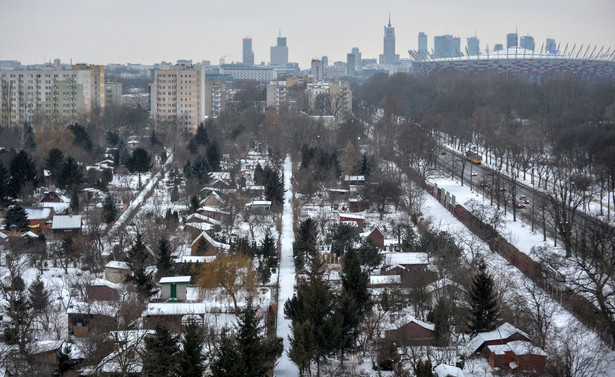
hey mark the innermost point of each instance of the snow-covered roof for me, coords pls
(384, 279)
(212, 209)
(215, 195)
(211, 241)
(117, 264)
(502, 332)
(106, 283)
(175, 279)
(354, 178)
(220, 175)
(405, 258)
(29, 234)
(444, 370)
(59, 207)
(95, 307)
(43, 346)
(409, 318)
(66, 222)
(195, 259)
(351, 216)
(38, 213)
(518, 347)
(177, 308)
(259, 203)
(439, 284)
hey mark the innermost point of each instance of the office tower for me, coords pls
(317, 70)
(51, 91)
(248, 54)
(511, 40)
(473, 46)
(498, 47)
(527, 42)
(447, 46)
(178, 95)
(325, 61)
(550, 46)
(388, 54)
(279, 53)
(358, 59)
(350, 64)
(422, 43)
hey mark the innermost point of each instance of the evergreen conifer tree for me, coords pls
(22, 171)
(213, 155)
(274, 186)
(63, 361)
(484, 310)
(161, 353)
(16, 218)
(53, 162)
(137, 258)
(190, 358)
(109, 211)
(164, 257)
(442, 329)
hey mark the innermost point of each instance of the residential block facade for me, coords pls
(50, 90)
(178, 95)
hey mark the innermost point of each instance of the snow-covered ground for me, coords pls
(285, 367)
(520, 235)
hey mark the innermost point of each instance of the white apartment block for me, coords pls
(277, 94)
(50, 90)
(178, 94)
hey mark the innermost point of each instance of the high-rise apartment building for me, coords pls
(51, 90)
(358, 57)
(279, 53)
(550, 46)
(113, 93)
(215, 98)
(248, 54)
(473, 46)
(388, 54)
(446, 46)
(277, 94)
(527, 42)
(512, 40)
(178, 95)
(422, 44)
(325, 61)
(317, 70)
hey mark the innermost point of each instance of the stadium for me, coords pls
(527, 64)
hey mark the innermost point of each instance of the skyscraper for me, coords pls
(550, 46)
(279, 53)
(473, 46)
(317, 70)
(357, 56)
(527, 42)
(422, 43)
(512, 40)
(498, 47)
(446, 46)
(350, 64)
(248, 54)
(388, 54)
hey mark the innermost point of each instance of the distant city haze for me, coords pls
(150, 31)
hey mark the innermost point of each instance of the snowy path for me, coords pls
(286, 282)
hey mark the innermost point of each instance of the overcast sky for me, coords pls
(150, 31)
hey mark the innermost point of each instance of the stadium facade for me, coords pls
(527, 64)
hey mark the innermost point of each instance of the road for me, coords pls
(286, 283)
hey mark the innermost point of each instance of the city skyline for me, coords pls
(153, 31)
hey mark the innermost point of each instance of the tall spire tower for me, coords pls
(388, 54)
